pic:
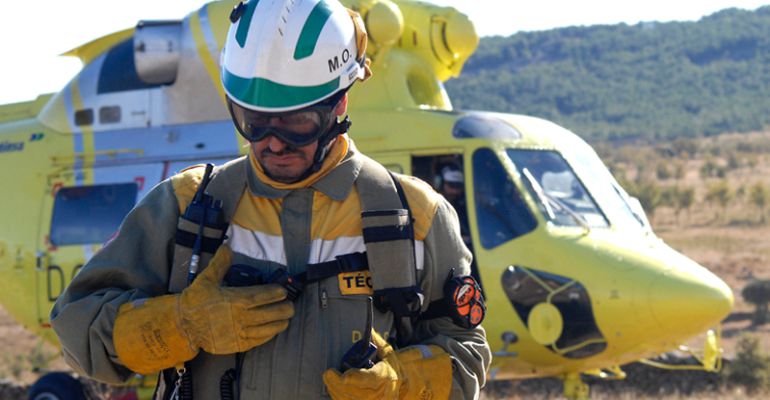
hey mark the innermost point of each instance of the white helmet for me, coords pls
(284, 55)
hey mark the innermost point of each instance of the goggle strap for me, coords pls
(361, 34)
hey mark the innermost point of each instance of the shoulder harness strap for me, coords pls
(388, 233)
(226, 187)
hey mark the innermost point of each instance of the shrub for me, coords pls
(757, 293)
(662, 171)
(709, 168)
(751, 367)
(679, 170)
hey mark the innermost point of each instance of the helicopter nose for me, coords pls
(687, 301)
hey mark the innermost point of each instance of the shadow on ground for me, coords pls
(641, 381)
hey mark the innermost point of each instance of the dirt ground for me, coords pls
(22, 352)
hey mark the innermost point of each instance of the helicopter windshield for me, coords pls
(562, 198)
(612, 199)
(501, 212)
(622, 211)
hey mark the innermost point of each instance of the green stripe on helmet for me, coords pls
(308, 38)
(245, 22)
(262, 92)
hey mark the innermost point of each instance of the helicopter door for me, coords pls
(398, 163)
(446, 173)
(80, 220)
(77, 219)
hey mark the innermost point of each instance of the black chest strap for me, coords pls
(352, 262)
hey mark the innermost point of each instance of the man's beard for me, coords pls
(283, 178)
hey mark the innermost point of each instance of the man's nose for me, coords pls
(275, 144)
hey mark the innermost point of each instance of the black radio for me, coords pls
(240, 275)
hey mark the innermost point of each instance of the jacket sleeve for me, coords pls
(135, 264)
(469, 349)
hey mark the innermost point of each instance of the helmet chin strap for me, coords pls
(324, 144)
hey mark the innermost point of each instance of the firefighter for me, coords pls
(303, 202)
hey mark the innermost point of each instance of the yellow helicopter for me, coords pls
(576, 281)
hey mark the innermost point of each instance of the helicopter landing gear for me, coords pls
(574, 387)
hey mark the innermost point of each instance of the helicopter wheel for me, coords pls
(56, 386)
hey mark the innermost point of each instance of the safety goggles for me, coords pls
(297, 128)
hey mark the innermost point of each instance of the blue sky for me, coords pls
(33, 39)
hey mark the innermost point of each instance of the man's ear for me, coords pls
(342, 106)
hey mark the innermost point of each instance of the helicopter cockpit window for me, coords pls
(90, 214)
(501, 212)
(561, 196)
(484, 126)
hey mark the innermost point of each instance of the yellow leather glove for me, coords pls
(161, 332)
(417, 372)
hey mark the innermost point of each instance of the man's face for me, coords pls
(452, 191)
(284, 162)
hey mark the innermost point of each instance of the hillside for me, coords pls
(650, 80)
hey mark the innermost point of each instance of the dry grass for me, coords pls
(22, 352)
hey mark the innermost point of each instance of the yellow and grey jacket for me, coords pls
(274, 225)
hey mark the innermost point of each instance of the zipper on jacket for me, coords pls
(324, 299)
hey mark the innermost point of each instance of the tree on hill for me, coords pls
(662, 171)
(685, 198)
(683, 147)
(720, 194)
(649, 195)
(710, 168)
(677, 198)
(759, 195)
(668, 196)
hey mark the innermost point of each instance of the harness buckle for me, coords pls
(292, 285)
(352, 262)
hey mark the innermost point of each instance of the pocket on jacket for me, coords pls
(344, 319)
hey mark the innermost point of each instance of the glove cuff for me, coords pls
(426, 371)
(147, 335)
